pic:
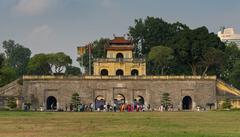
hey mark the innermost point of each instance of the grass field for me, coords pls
(148, 124)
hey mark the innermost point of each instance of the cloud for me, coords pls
(32, 7)
(40, 36)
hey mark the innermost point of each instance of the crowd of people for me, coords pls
(123, 107)
(104, 107)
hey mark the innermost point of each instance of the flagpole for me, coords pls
(89, 60)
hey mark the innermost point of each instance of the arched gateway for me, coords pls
(187, 103)
(119, 99)
(99, 103)
(139, 100)
(51, 103)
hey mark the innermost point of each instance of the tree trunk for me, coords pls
(194, 69)
(162, 70)
(204, 72)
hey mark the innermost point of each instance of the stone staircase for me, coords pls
(11, 89)
(223, 86)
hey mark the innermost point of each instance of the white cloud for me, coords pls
(32, 7)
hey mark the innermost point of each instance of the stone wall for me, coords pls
(201, 90)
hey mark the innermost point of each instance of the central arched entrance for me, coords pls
(99, 103)
(51, 103)
(119, 72)
(119, 56)
(119, 99)
(134, 72)
(139, 100)
(187, 103)
(104, 72)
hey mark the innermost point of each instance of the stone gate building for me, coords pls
(121, 79)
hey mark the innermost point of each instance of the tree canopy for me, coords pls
(58, 62)
(190, 46)
(152, 32)
(17, 56)
(38, 65)
(2, 58)
(72, 70)
(161, 58)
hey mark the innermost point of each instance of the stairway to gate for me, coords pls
(11, 89)
(223, 86)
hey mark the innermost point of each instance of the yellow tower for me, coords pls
(119, 60)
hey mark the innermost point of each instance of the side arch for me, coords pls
(51, 103)
(119, 72)
(187, 103)
(134, 72)
(104, 72)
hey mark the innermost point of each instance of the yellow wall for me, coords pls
(112, 67)
(235, 103)
(113, 54)
(127, 64)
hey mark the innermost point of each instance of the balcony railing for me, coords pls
(137, 60)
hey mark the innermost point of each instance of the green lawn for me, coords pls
(147, 124)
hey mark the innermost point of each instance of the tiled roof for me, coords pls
(120, 40)
(120, 48)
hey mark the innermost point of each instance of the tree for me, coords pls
(152, 32)
(38, 65)
(8, 74)
(232, 55)
(11, 102)
(75, 100)
(17, 56)
(2, 58)
(235, 75)
(59, 61)
(212, 57)
(72, 70)
(161, 57)
(226, 104)
(166, 101)
(190, 46)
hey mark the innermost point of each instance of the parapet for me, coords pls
(52, 77)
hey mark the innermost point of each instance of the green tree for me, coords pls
(2, 58)
(59, 61)
(235, 75)
(162, 57)
(11, 102)
(38, 65)
(75, 100)
(166, 101)
(232, 55)
(152, 32)
(17, 56)
(8, 74)
(212, 56)
(72, 70)
(190, 46)
(226, 104)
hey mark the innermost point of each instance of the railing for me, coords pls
(50, 77)
(119, 60)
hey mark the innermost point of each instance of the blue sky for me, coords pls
(62, 25)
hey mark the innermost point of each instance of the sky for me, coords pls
(47, 26)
